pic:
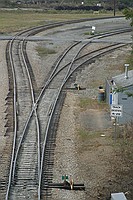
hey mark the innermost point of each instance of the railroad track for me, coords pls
(36, 114)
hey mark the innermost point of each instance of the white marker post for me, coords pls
(93, 30)
(116, 111)
(126, 70)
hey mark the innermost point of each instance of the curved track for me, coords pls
(36, 115)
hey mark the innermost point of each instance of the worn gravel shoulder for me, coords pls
(3, 94)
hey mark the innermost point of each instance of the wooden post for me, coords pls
(114, 7)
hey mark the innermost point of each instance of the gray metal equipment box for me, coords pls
(118, 196)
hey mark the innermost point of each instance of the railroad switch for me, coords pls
(77, 86)
(67, 184)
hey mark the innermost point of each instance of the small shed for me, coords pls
(118, 196)
(119, 91)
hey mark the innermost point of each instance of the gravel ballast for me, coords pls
(81, 150)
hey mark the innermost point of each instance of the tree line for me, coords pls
(127, 3)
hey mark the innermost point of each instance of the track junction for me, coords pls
(36, 112)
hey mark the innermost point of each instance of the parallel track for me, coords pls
(32, 159)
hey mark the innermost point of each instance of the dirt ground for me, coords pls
(100, 156)
(86, 148)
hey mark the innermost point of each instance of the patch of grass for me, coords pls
(88, 33)
(125, 148)
(124, 141)
(84, 134)
(43, 51)
(16, 20)
(87, 103)
(89, 140)
(130, 61)
(11, 21)
(94, 84)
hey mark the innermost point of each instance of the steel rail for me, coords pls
(47, 130)
(97, 36)
(79, 58)
(40, 28)
(74, 60)
(54, 72)
(52, 113)
(36, 116)
(95, 56)
(14, 111)
(90, 40)
(35, 104)
(14, 157)
(67, 76)
(14, 114)
(13, 161)
(51, 77)
(110, 33)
